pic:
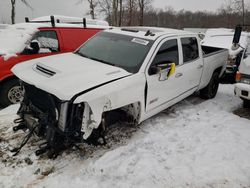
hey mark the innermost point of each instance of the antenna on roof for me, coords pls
(149, 33)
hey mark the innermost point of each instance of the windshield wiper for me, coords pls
(102, 61)
(83, 55)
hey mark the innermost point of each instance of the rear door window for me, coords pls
(190, 49)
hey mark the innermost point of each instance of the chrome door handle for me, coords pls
(199, 66)
(178, 75)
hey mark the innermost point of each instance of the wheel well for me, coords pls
(130, 113)
(133, 110)
(7, 80)
(218, 70)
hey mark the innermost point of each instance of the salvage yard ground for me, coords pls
(195, 143)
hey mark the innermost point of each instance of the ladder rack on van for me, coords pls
(53, 22)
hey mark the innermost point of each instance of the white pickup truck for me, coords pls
(242, 87)
(120, 74)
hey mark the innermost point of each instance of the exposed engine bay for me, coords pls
(60, 123)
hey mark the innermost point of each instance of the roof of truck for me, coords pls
(153, 32)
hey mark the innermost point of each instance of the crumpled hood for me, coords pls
(66, 75)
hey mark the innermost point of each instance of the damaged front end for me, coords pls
(58, 122)
(63, 124)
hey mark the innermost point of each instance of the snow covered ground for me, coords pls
(194, 144)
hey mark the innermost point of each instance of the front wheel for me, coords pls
(211, 89)
(11, 93)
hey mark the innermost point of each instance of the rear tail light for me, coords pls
(238, 76)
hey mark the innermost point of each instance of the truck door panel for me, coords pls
(192, 64)
(160, 92)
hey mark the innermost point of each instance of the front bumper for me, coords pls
(242, 90)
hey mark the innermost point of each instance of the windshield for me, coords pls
(118, 50)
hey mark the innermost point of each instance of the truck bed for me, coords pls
(208, 51)
(213, 58)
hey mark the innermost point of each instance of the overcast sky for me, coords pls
(69, 7)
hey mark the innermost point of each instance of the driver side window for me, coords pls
(168, 53)
(48, 41)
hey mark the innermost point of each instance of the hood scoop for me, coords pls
(44, 70)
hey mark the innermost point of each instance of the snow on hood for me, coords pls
(14, 38)
(73, 74)
(223, 38)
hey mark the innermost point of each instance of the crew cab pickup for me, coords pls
(121, 74)
(34, 39)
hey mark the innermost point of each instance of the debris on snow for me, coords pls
(195, 143)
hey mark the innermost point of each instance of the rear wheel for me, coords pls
(246, 103)
(11, 93)
(211, 89)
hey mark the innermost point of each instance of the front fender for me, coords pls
(112, 96)
(93, 114)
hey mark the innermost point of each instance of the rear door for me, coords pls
(192, 64)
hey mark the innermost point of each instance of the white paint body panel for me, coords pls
(76, 74)
(244, 68)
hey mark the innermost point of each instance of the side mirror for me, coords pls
(165, 70)
(237, 35)
(34, 46)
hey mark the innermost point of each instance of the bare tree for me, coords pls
(13, 9)
(142, 5)
(131, 7)
(120, 13)
(106, 7)
(227, 12)
(239, 5)
(114, 12)
(92, 7)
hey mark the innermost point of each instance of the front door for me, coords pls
(160, 92)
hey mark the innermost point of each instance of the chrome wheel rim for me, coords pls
(15, 94)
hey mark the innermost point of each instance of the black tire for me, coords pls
(10, 93)
(246, 103)
(211, 89)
